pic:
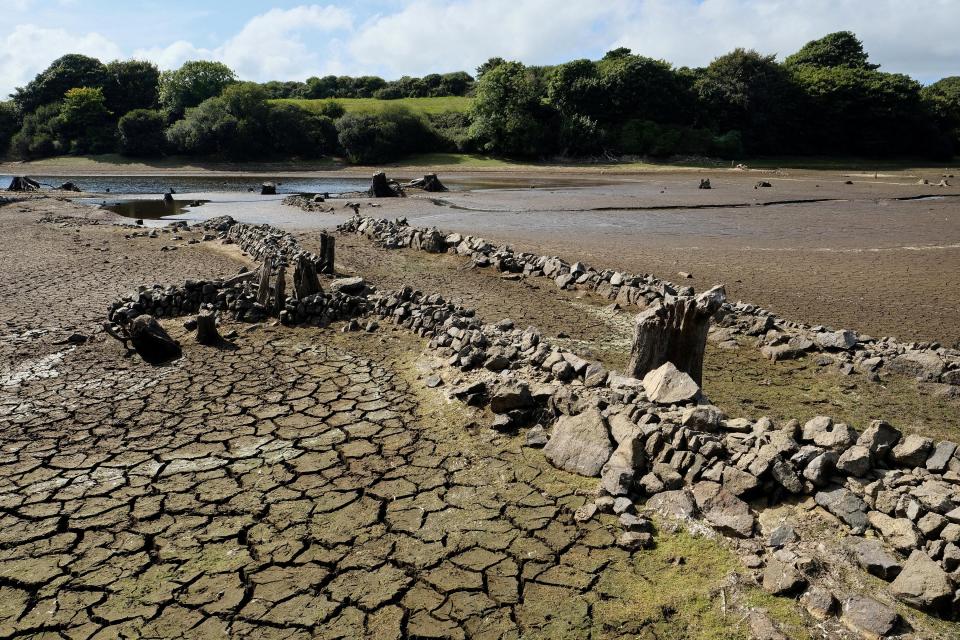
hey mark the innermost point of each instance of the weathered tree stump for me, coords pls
(280, 290)
(207, 328)
(328, 250)
(23, 183)
(305, 280)
(268, 189)
(263, 288)
(674, 331)
(380, 187)
(429, 182)
(151, 341)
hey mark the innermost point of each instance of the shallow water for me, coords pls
(150, 208)
(138, 185)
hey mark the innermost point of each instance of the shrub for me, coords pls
(36, 138)
(85, 124)
(205, 129)
(296, 131)
(141, 133)
(9, 123)
(371, 138)
(191, 84)
(452, 131)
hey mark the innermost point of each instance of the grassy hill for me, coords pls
(372, 105)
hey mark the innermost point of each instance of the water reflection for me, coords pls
(148, 209)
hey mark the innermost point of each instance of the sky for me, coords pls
(290, 40)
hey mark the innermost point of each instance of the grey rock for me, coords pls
(509, 397)
(879, 438)
(580, 444)
(726, 512)
(536, 436)
(821, 468)
(940, 458)
(923, 583)
(784, 473)
(912, 451)
(782, 578)
(845, 505)
(873, 558)
(585, 512)
(918, 364)
(843, 340)
(668, 385)
(677, 504)
(622, 505)
(634, 540)
(633, 522)
(668, 476)
(595, 376)
(936, 495)
(931, 524)
(868, 618)
(434, 381)
(351, 286)
(819, 602)
(739, 482)
(618, 473)
(899, 533)
(855, 461)
(782, 535)
(704, 417)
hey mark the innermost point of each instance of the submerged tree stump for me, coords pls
(328, 250)
(151, 341)
(429, 182)
(380, 187)
(23, 183)
(305, 280)
(263, 288)
(674, 331)
(207, 328)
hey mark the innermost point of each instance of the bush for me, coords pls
(452, 131)
(36, 138)
(9, 123)
(643, 137)
(298, 132)
(191, 84)
(142, 133)
(85, 124)
(369, 138)
(205, 129)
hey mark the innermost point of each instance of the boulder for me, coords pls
(879, 438)
(912, 451)
(350, 286)
(841, 340)
(845, 505)
(673, 504)
(819, 602)
(918, 364)
(580, 444)
(855, 461)
(899, 533)
(151, 340)
(868, 618)
(618, 473)
(940, 458)
(821, 468)
(873, 558)
(782, 578)
(726, 512)
(668, 385)
(510, 397)
(923, 583)
(704, 417)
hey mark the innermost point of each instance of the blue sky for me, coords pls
(295, 39)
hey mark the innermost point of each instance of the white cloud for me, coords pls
(279, 44)
(29, 49)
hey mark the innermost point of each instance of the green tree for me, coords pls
(295, 131)
(574, 88)
(368, 138)
(840, 49)
(191, 84)
(85, 125)
(204, 130)
(64, 73)
(142, 133)
(489, 65)
(131, 84)
(9, 123)
(641, 87)
(942, 100)
(37, 137)
(508, 116)
(749, 92)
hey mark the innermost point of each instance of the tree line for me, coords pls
(825, 99)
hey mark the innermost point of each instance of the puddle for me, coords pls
(150, 209)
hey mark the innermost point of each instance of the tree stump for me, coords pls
(380, 187)
(280, 299)
(263, 288)
(674, 331)
(430, 182)
(23, 183)
(305, 280)
(207, 328)
(151, 341)
(268, 189)
(328, 250)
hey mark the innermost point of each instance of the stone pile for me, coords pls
(311, 204)
(778, 338)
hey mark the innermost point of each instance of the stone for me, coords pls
(704, 417)
(618, 473)
(824, 433)
(913, 451)
(923, 583)
(899, 533)
(633, 522)
(936, 495)
(918, 364)
(634, 540)
(845, 505)
(873, 558)
(819, 602)
(739, 482)
(677, 504)
(868, 618)
(580, 444)
(350, 286)
(821, 468)
(855, 461)
(668, 476)
(782, 578)
(510, 397)
(622, 504)
(536, 436)
(931, 524)
(782, 535)
(879, 438)
(726, 512)
(668, 385)
(595, 376)
(585, 512)
(940, 458)
(622, 427)
(434, 381)
(784, 473)
(842, 340)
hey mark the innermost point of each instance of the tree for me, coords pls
(369, 138)
(942, 100)
(748, 92)
(64, 73)
(296, 131)
(840, 49)
(131, 84)
(641, 87)
(204, 129)
(37, 137)
(574, 88)
(508, 117)
(9, 123)
(489, 65)
(458, 83)
(142, 133)
(85, 124)
(191, 84)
